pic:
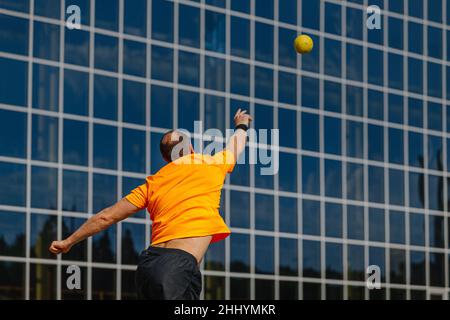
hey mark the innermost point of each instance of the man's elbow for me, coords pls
(106, 219)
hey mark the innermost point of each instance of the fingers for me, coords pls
(237, 113)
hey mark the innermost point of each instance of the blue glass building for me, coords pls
(364, 134)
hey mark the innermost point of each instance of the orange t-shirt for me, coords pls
(183, 197)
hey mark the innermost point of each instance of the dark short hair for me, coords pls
(167, 144)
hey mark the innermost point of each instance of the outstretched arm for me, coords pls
(238, 140)
(99, 222)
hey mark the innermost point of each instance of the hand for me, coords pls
(58, 247)
(241, 117)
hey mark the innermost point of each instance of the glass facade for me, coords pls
(364, 125)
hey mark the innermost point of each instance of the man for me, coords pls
(183, 200)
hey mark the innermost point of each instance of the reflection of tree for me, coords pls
(129, 253)
(214, 288)
(102, 251)
(43, 282)
(12, 280)
(44, 238)
(78, 252)
(16, 248)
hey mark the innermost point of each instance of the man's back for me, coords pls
(183, 197)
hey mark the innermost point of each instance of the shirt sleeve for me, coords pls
(139, 196)
(225, 159)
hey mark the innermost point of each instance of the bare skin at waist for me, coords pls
(196, 246)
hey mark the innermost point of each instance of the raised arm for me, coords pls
(99, 222)
(238, 140)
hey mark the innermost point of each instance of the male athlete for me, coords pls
(183, 199)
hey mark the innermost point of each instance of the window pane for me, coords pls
(310, 131)
(135, 19)
(188, 109)
(43, 230)
(436, 227)
(134, 102)
(356, 270)
(398, 265)
(76, 92)
(215, 23)
(333, 18)
(333, 57)
(288, 172)
(44, 187)
(334, 262)
(333, 178)
(76, 49)
(332, 96)
(288, 257)
(107, 14)
(106, 52)
(355, 139)
(333, 220)
(43, 280)
(240, 36)
(396, 187)
(417, 259)
(215, 256)
(239, 287)
(264, 255)
(288, 214)
(13, 82)
(75, 191)
(12, 184)
(133, 150)
(105, 146)
(240, 209)
(417, 229)
(376, 184)
(103, 284)
(12, 280)
(162, 20)
(286, 56)
(105, 97)
(310, 175)
(13, 134)
(45, 87)
(134, 58)
(240, 253)
(311, 259)
(355, 181)
(105, 191)
(263, 42)
(189, 26)
(416, 152)
(332, 127)
(133, 242)
(188, 68)
(264, 83)
(161, 107)
(46, 41)
(376, 225)
(397, 227)
(45, 138)
(75, 142)
(12, 239)
(311, 217)
(214, 288)
(355, 222)
(264, 212)
(214, 73)
(14, 38)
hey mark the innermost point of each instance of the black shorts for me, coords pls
(168, 274)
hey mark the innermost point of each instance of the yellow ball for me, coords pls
(303, 44)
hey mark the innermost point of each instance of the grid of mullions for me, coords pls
(314, 158)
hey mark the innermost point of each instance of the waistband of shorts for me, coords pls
(164, 250)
